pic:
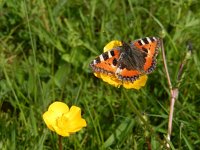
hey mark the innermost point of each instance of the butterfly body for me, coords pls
(128, 61)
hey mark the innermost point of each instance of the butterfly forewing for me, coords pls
(129, 61)
(106, 62)
(150, 46)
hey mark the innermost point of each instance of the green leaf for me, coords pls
(119, 134)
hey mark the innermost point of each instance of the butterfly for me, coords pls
(130, 60)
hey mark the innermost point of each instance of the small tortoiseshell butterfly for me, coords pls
(129, 61)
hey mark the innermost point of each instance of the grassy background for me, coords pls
(45, 50)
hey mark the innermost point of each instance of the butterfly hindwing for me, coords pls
(150, 46)
(129, 61)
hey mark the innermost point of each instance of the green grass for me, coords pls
(45, 51)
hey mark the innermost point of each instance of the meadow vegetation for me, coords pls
(45, 51)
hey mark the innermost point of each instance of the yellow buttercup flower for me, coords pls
(112, 44)
(113, 80)
(62, 120)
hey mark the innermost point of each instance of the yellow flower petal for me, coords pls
(112, 44)
(113, 80)
(61, 126)
(136, 84)
(75, 120)
(63, 108)
(62, 120)
(49, 118)
(70, 122)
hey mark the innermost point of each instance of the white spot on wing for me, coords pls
(118, 71)
(94, 62)
(142, 42)
(109, 54)
(101, 58)
(154, 38)
(148, 39)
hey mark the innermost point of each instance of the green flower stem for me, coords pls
(146, 124)
(60, 142)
